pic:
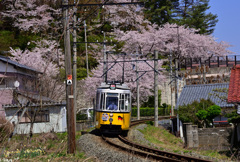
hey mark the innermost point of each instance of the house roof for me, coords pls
(9, 61)
(191, 93)
(34, 96)
(44, 104)
(234, 85)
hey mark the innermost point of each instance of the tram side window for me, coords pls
(127, 102)
(102, 103)
(121, 101)
(97, 100)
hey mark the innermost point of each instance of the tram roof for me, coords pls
(118, 86)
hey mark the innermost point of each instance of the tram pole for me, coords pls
(85, 34)
(171, 74)
(69, 87)
(104, 58)
(155, 89)
(138, 103)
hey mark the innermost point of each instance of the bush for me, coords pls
(149, 111)
(6, 129)
(81, 117)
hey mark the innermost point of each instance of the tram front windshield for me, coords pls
(112, 103)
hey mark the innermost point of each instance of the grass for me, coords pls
(164, 140)
(42, 147)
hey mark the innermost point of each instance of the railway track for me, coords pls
(147, 152)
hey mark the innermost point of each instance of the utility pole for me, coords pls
(176, 81)
(75, 62)
(155, 89)
(104, 58)
(170, 60)
(138, 104)
(69, 87)
(85, 31)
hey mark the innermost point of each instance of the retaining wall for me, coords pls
(207, 138)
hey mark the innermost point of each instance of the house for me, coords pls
(234, 87)
(234, 97)
(191, 93)
(24, 77)
(50, 116)
(23, 105)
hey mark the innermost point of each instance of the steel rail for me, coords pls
(141, 153)
(161, 153)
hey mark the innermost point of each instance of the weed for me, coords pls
(80, 155)
(50, 145)
(149, 122)
(62, 136)
(61, 154)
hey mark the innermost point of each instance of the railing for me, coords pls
(212, 62)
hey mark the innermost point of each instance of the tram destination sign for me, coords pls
(112, 86)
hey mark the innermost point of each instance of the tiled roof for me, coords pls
(192, 93)
(8, 60)
(234, 85)
(35, 104)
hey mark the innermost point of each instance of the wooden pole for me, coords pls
(69, 86)
(155, 89)
(75, 63)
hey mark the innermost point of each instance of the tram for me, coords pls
(113, 108)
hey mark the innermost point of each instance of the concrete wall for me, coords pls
(167, 91)
(207, 138)
(190, 133)
(214, 138)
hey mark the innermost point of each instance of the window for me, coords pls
(41, 116)
(97, 100)
(121, 101)
(124, 102)
(102, 101)
(127, 102)
(112, 101)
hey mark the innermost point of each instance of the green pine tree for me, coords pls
(160, 11)
(191, 13)
(194, 15)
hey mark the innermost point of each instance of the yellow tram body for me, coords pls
(113, 108)
(121, 119)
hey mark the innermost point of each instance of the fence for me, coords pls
(211, 62)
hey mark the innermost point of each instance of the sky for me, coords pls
(228, 26)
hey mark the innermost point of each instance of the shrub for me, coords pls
(149, 111)
(6, 128)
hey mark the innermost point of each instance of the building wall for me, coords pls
(167, 91)
(57, 121)
(10, 68)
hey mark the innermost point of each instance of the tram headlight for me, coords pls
(111, 115)
(111, 120)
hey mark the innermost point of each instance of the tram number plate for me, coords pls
(105, 116)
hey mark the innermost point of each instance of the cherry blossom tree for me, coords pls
(29, 16)
(135, 31)
(146, 81)
(174, 38)
(46, 58)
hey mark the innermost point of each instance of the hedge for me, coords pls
(149, 111)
